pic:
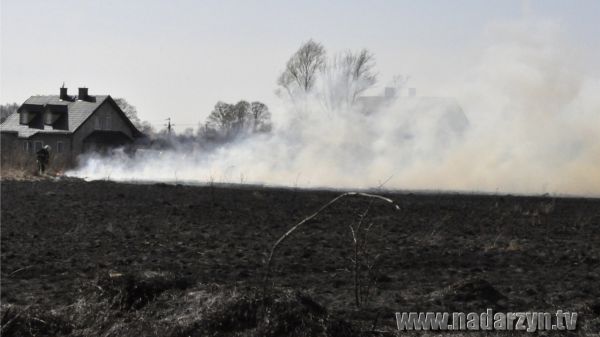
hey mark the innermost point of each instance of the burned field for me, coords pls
(103, 258)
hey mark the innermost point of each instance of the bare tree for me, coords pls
(337, 82)
(129, 110)
(241, 117)
(132, 113)
(221, 117)
(301, 69)
(345, 77)
(260, 117)
(231, 120)
(360, 66)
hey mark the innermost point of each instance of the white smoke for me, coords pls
(533, 127)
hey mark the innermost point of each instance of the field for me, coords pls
(113, 259)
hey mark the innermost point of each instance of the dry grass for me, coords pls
(23, 167)
(160, 304)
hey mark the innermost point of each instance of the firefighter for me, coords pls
(43, 158)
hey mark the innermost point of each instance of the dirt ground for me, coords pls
(436, 252)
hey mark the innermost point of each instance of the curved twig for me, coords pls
(307, 219)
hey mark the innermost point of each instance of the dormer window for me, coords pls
(51, 117)
(30, 114)
(25, 116)
(53, 113)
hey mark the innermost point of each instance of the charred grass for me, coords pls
(109, 259)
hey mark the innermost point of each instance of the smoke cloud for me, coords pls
(524, 119)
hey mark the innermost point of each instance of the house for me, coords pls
(441, 117)
(369, 105)
(71, 125)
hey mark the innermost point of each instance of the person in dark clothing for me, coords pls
(43, 158)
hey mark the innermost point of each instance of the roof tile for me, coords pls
(78, 112)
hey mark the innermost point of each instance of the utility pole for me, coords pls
(169, 125)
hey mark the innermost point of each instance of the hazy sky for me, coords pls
(178, 58)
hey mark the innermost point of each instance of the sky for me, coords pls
(178, 58)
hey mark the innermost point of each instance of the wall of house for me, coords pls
(8, 147)
(106, 118)
(21, 152)
(60, 153)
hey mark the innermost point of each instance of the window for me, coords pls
(38, 145)
(97, 122)
(60, 147)
(108, 125)
(23, 118)
(27, 146)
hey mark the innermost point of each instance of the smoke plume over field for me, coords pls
(533, 126)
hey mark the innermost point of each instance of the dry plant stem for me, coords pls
(370, 265)
(307, 219)
(21, 269)
(356, 241)
(14, 318)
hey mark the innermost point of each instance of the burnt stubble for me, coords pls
(67, 242)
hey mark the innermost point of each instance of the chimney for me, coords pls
(83, 94)
(63, 93)
(390, 92)
(412, 92)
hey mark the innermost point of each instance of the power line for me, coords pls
(179, 124)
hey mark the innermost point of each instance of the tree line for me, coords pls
(343, 78)
(7, 110)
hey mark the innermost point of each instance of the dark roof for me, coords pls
(78, 111)
(371, 104)
(446, 109)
